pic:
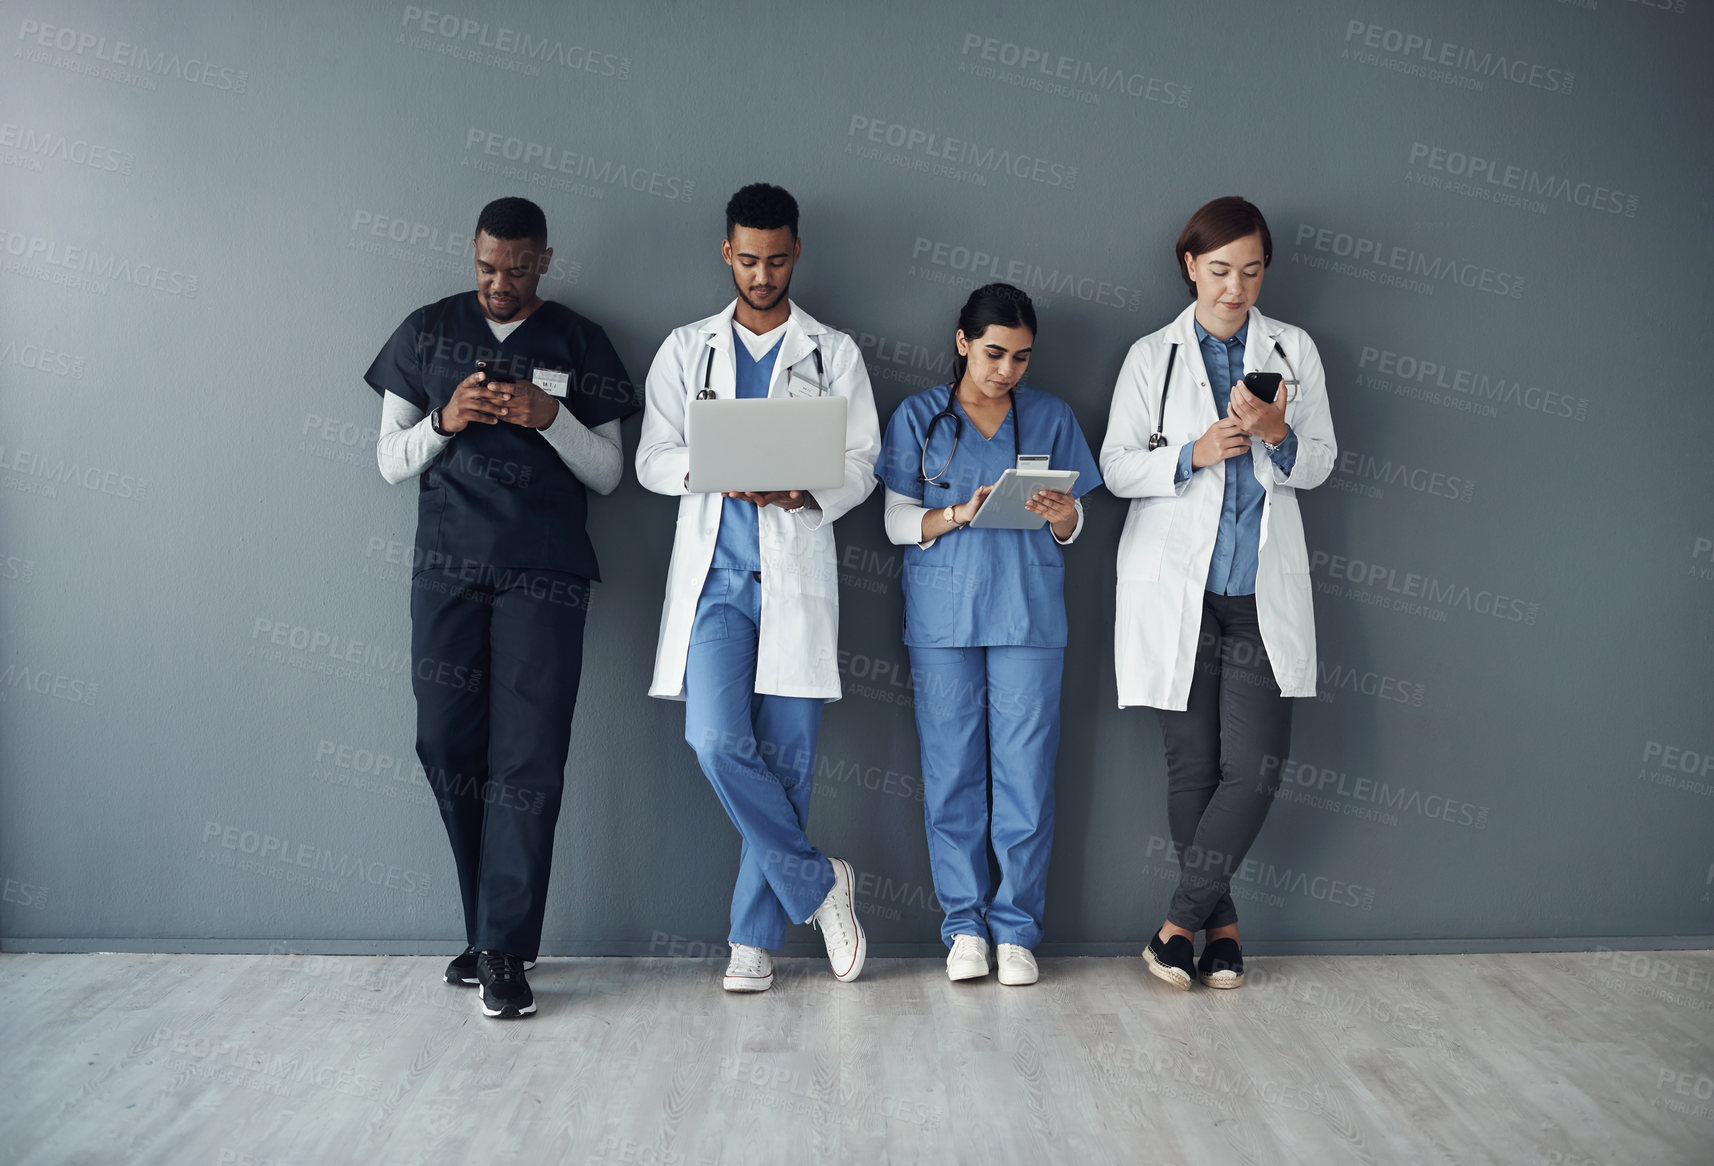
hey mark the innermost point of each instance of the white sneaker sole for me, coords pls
(1018, 979)
(967, 972)
(1177, 977)
(748, 983)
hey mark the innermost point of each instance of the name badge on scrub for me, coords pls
(798, 385)
(554, 384)
(1033, 461)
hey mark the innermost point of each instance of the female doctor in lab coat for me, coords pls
(1214, 621)
(985, 625)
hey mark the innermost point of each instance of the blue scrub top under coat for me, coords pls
(738, 546)
(975, 587)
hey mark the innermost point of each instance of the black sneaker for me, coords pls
(1173, 961)
(504, 991)
(1222, 964)
(462, 970)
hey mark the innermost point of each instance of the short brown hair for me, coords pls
(1216, 224)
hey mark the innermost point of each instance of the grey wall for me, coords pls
(212, 215)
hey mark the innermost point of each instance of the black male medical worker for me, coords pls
(750, 627)
(501, 569)
(1215, 619)
(985, 625)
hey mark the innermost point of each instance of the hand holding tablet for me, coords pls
(1006, 507)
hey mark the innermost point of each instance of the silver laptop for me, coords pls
(766, 443)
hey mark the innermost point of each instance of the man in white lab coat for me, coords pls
(750, 627)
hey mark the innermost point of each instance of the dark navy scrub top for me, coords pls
(498, 496)
(982, 587)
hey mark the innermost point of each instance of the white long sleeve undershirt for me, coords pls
(904, 521)
(408, 443)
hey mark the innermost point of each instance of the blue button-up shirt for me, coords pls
(1232, 570)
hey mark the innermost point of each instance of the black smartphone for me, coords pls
(498, 374)
(1264, 385)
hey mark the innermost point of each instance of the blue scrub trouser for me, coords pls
(979, 709)
(759, 754)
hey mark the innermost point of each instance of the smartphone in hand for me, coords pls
(1263, 385)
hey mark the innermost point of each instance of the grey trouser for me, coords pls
(1224, 754)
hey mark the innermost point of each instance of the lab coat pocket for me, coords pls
(1142, 545)
(1047, 604)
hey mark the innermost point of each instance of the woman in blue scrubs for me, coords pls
(985, 625)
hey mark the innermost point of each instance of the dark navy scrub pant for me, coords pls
(495, 661)
(1224, 754)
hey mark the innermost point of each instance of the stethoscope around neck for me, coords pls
(1158, 437)
(707, 393)
(950, 413)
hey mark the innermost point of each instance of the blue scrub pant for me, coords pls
(982, 709)
(759, 754)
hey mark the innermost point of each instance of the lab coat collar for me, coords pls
(1182, 332)
(718, 328)
(1258, 339)
(803, 332)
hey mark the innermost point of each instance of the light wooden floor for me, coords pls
(1559, 1060)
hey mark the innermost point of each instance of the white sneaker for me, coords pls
(1017, 965)
(751, 969)
(968, 959)
(836, 919)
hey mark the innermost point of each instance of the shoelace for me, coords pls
(747, 961)
(501, 968)
(968, 945)
(840, 924)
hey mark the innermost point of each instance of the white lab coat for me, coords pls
(1169, 533)
(797, 653)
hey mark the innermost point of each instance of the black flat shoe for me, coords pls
(1172, 961)
(1222, 964)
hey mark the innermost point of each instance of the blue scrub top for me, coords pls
(983, 588)
(738, 546)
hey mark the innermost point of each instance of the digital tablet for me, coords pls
(766, 443)
(1003, 508)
